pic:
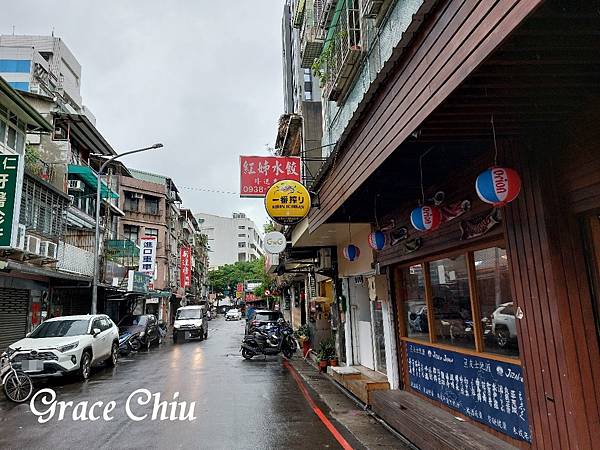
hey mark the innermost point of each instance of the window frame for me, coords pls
(468, 253)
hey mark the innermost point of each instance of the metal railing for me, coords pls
(312, 36)
(342, 50)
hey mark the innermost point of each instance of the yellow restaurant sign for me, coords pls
(287, 202)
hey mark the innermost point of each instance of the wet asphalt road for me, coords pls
(239, 404)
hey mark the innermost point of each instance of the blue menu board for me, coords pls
(486, 390)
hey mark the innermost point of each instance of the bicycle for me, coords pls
(17, 385)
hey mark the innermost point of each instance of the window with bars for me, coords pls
(42, 210)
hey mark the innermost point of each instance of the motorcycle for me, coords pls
(129, 342)
(270, 339)
(16, 384)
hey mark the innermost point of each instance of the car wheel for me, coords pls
(85, 366)
(114, 355)
(247, 354)
(502, 337)
(174, 338)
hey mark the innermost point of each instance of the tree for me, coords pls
(230, 275)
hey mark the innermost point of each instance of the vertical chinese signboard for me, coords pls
(258, 173)
(185, 270)
(147, 255)
(11, 180)
(489, 391)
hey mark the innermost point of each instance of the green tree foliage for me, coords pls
(232, 274)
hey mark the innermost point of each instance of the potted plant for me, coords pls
(327, 354)
(302, 334)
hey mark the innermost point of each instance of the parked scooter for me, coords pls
(17, 384)
(270, 339)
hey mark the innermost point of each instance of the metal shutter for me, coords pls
(14, 307)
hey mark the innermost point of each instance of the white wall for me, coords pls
(224, 238)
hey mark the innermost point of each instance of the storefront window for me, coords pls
(496, 307)
(451, 302)
(413, 285)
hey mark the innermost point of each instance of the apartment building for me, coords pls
(231, 239)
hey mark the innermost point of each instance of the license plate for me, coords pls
(32, 365)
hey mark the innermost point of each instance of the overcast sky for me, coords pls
(203, 77)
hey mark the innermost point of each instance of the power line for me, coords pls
(216, 191)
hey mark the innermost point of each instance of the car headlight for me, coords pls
(176, 325)
(66, 348)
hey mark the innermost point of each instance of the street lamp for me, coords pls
(98, 200)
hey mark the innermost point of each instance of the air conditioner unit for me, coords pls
(32, 244)
(51, 249)
(21, 237)
(324, 255)
(76, 185)
(372, 8)
(138, 195)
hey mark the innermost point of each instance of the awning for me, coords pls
(90, 177)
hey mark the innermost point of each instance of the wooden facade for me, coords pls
(533, 69)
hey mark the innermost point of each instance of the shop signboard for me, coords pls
(258, 173)
(287, 202)
(138, 282)
(489, 391)
(275, 242)
(147, 255)
(11, 182)
(185, 270)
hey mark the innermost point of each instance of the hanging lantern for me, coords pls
(351, 252)
(377, 240)
(498, 185)
(426, 218)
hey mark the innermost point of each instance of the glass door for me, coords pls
(378, 336)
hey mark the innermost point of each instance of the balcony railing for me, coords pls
(312, 36)
(341, 54)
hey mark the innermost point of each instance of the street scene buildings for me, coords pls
(423, 270)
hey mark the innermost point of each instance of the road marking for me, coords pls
(336, 434)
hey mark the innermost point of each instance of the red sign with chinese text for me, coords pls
(185, 271)
(258, 173)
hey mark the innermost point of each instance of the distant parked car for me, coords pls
(504, 326)
(233, 314)
(138, 331)
(260, 317)
(67, 345)
(190, 322)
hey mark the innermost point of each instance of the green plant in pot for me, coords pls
(326, 353)
(302, 333)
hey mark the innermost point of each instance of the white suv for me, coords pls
(68, 345)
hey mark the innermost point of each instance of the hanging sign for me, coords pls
(488, 391)
(480, 225)
(287, 202)
(275, 242)
(147, 255)
(259, 173)
(11, 182)
(185, 270)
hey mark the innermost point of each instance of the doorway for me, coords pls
(591, 232)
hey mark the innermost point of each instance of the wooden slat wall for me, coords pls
(458, 37)
(557, 336)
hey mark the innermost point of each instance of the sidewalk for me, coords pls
(365, 428)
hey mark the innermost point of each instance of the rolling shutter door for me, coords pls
(14, 307)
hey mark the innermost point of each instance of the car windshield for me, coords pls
(133, 321)
(267, 316)
(60, 328)
(189, 314)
